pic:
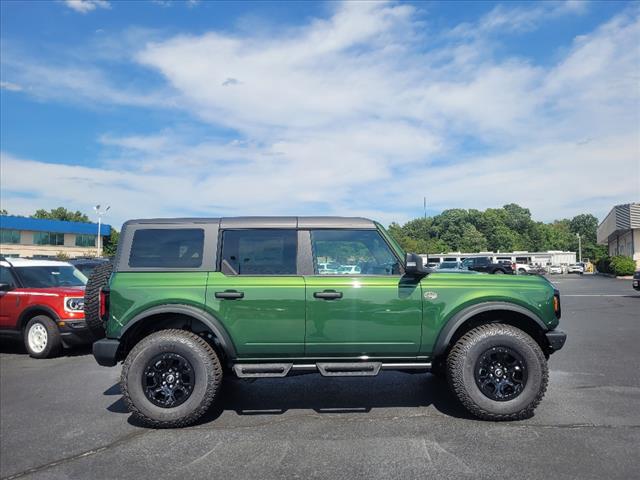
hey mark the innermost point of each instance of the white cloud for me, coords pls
(86, 6)
(12, 87)
(510, 18)
(359, 114)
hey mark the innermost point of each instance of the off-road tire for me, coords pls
(461, 363)
(207, 372)
(98, 279)
(54, 341)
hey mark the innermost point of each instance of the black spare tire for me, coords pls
(98, 279)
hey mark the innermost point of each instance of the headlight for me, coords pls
(74, 304)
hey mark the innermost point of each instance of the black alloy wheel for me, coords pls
(168, 380)
(501, 373)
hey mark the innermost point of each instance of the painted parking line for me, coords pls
(594, 295)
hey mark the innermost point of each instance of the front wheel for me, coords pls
(498, 372)
(499, 272)
(170, 379)
(42, 337)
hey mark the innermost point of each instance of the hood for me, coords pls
(58, 291)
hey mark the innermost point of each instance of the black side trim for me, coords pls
(105, 352)
(459, 318)
(210, 321)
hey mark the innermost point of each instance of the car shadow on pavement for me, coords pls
(323, 395)
(16, 347)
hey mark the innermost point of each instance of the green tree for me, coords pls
(61, 213)
(586, 225)
(110, 246)
(472, 240)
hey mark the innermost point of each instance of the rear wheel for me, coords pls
(498, 372)
(42, 337)
(98, 279)
(170, 379)
(499, 272)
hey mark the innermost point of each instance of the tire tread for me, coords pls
(455, 361)
(98, 279)
(210, 393)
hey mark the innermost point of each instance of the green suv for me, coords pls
(187, 301)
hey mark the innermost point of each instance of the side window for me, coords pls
(167, 248)
(7, 277)
(352, 252)
(259, 252)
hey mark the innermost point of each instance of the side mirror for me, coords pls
(5, 287)
(413, 265)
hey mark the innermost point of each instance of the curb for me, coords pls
(611, 275)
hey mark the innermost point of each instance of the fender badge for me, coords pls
(430, 295)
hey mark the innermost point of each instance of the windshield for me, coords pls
(55, 276)
(449, 265)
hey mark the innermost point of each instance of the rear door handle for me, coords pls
(328, 295)
(229, 295)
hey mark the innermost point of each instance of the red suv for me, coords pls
(42, 301)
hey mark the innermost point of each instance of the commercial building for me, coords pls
(33, 237)
(620, 231)
(544, 259)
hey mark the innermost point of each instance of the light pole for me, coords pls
(100, 214)
(579, 247)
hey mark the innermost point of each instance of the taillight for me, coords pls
(556, 303)
(104, 303)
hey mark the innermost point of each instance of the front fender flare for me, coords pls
(447, 332)
(209, 320)
(26, 313)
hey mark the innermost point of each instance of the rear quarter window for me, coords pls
(167, 248)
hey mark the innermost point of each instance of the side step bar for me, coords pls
(261, 370)
(326, 369)
(352, 369)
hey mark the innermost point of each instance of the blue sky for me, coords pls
(173, 108)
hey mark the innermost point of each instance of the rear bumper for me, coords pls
(556, 339)
(636, 283)
(105, 352)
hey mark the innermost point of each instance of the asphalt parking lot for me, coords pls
(64, 418)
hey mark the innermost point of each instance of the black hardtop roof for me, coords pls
(264, 222)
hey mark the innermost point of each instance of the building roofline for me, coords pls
(14, 222)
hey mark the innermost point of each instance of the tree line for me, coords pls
(497, 229)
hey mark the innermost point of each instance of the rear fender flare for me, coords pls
(210, 321)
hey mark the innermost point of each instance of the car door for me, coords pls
(376, 312)
(470, 264)
(257, 293)
(10, 302)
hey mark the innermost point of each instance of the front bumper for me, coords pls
(74, 332)
(556, 339)
(105, 352)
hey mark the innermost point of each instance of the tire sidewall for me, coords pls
(53, 337)
(533, 364)
(204, 377)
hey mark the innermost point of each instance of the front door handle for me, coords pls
(229, 295)
(328, 295)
